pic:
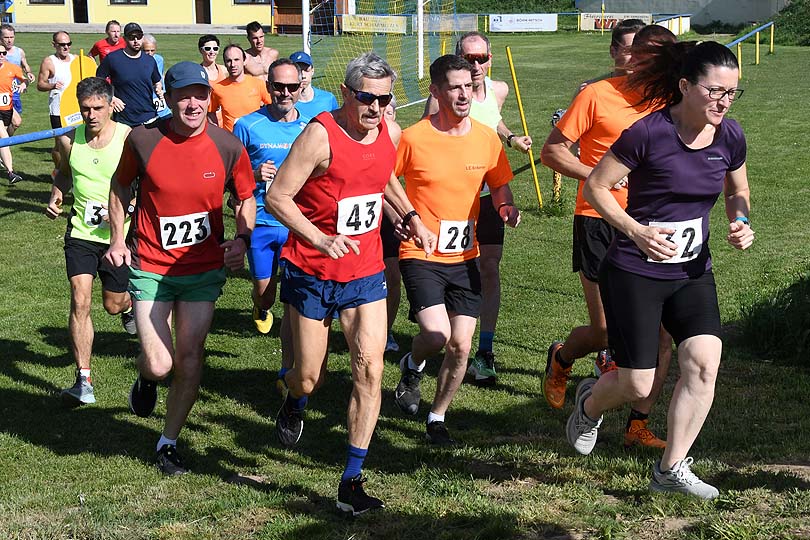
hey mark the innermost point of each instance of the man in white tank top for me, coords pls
(54, 77)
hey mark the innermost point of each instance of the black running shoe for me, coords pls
(436, 433)
(289, 425)
(353, 498)
(143, 397)
(169, 461)
(128, 321)
(13, 178)
(407, 394)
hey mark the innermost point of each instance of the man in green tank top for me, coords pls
(88, 162)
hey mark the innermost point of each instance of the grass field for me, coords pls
(88, 473)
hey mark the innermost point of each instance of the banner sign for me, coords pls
(523, 22)
(375, 24)
(594, 21)
(465, 22)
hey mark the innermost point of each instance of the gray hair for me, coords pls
(370, 66)
(149, 38)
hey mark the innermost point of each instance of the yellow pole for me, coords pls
(444, 46)
(680, 25)
(757, 49)
(739, 57)
(579, 21)
(603, 18)
(772, 27)
(486, 24)
(272, 19)
(525, 127)
(81, 71)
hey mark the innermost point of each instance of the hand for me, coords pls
(118, 255)
(522, 143)
(58, 85)
(510, 215)
(653, 242)
(740, 235)
(422, 236)
(54, 208)
(234, 253)
(23, 86)
(338, 246)
(118, 105)
(31, 77)
(400, 232)
(266, 172)
(621, 184)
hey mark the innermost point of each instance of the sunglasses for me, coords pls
(367, 98)
(134, 36)
(290, 87)
(68, 44)
(473, 58)
(3, 53)
(209, 49)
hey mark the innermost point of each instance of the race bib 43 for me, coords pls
(358, 215)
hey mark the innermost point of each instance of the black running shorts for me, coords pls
(457, 286)
(86, 257)
(592, 237)
(489, 228)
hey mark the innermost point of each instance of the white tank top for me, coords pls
(61, 70)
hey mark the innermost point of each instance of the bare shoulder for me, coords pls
(394, 131)
(501, 90)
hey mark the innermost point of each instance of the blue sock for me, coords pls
(354, 462)
(281, 372)
(296, 404)
(485, 341)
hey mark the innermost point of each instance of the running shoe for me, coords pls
(391, 344)
(13, 178)
(143, 397)
(169, 461)
(436, 433)
(407, 394)
(128, 321)
(81, 393)
(580, 429)
(263, 319)
(352, 498)
(681, 479)
(603, 363)
(639, 434)
(555, 378)
(482, 367)
(289, 425)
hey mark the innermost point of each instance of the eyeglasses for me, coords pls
(134, 36)
(367, 98)
(473, 58)
(68, 44)
(209, 49)
(719, 93)
(290, 87)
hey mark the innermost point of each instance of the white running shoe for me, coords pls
(580, 429)
(681, 479)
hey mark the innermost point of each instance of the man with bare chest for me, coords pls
(259, 57)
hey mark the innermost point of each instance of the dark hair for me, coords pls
(59, 32)
(627, 26)
(254, 26)
(6, 26)
(233, 46)
(665, 64)
(282, 62)
(205, 39)
(444, 64)
(110, 23)
(468, 35)
(94, 86)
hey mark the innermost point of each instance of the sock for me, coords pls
(296, 403)
(560, 360)
(354, 462)
(415, 367)
(128, 310)
(283, 371)
(85, 373)
(164, 440)
(485, 341)
(433, 417)
(635, 415)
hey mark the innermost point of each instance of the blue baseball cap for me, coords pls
(301, 57)
(184, 74)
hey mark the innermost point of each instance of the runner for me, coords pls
(11, 77)
(90, 159)
(445, 158)
(390, 243)
(16, 56)
(54, 76)
(209, 50)
(150, 47)
(238, 94)
(659, 269)
(176, 245)
(259, 57)
(329, 193)
(112, 42)
(313, 100)
(595, 119)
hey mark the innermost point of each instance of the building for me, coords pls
(703, 11)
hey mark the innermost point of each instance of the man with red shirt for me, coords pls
(112, 42)
(176, 246)
(329, 193)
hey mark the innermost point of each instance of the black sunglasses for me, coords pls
(68, 44)
(290, 87)
(367, 98)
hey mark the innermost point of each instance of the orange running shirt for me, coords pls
(443, 178)
(8, 74)
(596, 118)
(237, 99)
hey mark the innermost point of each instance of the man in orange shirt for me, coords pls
(444, 158)
(595, 119)
(9, 74)
(240, 93)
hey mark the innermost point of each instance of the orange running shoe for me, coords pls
(555, 378)
(638, 433)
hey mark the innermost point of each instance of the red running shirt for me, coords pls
(177, 228)
(102, 47)
(346, 199)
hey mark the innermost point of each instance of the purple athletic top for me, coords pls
(674, 186)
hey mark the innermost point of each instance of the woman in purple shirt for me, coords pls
(658, 270)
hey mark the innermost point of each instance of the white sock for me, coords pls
(84, 372)
(433, 417)
(413, 366)
(165, 440)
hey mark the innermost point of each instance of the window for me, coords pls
(56, 2)
(245, 2)
(127, 2)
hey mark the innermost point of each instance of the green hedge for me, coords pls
(514, 6)
(793, 24)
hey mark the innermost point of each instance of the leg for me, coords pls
(80, 324)
(490, 261)
(434, 332)
(587, 339)
(264, 292)
(5, 152)
(116, 302)
(16, 122)
(154, 320)
(664, 359)
(310, 339)
(393, 280)
(451, 373)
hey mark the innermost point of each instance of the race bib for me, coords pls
(94, 213)
(688, 235)
(159, 103)
(5, 99)
(456, 236)
(358, 215)
(183, 231)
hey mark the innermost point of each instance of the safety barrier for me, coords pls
(755, 32)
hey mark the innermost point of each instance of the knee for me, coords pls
(115, 306)
(459, 350)
(155, 370)
(80, 307)
(636, 389)
(305, 384)
(436, 339)
(368, 370)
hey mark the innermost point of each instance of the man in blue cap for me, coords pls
(176, 248)
(313, 101)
